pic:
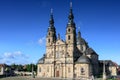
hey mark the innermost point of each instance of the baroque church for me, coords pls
(71, 58)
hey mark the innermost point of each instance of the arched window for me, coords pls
(68, 37)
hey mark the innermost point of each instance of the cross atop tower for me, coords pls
(71, 5)
(51, 11)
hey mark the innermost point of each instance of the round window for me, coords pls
(69, 30)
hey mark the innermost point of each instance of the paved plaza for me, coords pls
(37, 78)
(30, 78)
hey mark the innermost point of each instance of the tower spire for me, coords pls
(71, 16)
(58, 36)
(51, 11)
(51, 36)
(79, 33)
(51, 21)
(70, 5)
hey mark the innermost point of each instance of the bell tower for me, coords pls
(51, 33)
(71, 34)
(71, 29)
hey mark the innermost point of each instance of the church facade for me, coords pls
(71, 58)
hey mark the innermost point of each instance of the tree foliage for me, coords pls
(27, 67)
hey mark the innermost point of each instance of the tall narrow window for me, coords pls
(39, 69)
(48, 69)
(69, 30)
(52, 53)
(48, 40)
(49, 55)
(49, 33)
(81, 48)
(69, 69)
(68, 37)
(57, 54)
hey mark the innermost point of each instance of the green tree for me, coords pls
(29, 68)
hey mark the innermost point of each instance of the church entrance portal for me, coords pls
(57, 73)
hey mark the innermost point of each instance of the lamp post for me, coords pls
(104, 73)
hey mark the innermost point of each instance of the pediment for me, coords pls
(59, 42)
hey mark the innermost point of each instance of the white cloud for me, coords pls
(41, 41)
(20, 54)
(14, 57)
(8, 55)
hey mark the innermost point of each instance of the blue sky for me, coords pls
(24, 23)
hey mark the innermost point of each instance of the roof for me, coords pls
(109, 62)
(41, 61)
(3, 65)
(83, 59)
(90, 51)
(113, 64)
(81, 41)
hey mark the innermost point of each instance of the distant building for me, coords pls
(5, 70)
(118, 70)
(2, 69)
(70, 58)
(110, 67)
